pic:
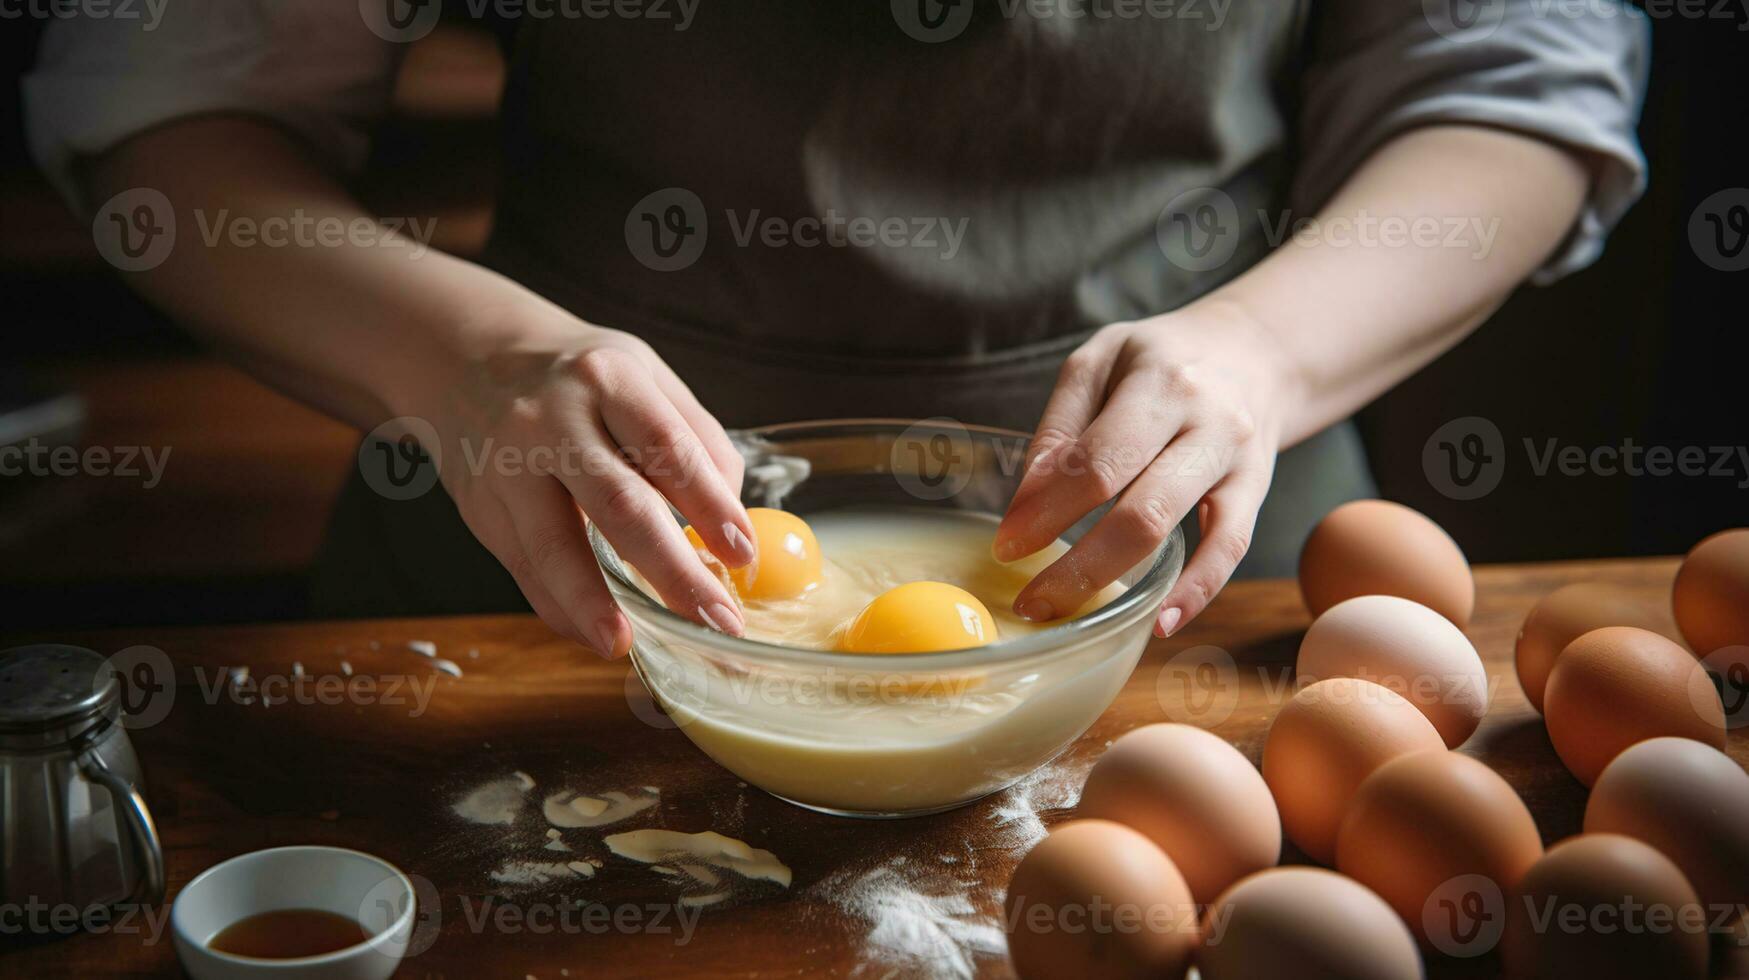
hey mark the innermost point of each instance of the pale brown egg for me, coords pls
(1422, 825)
(1195, 796)
(1587, 910)
(1095, 898)
(1305, 923)
(1406, 647)
(1690, 802)
(1375, 547)
(1322, 746)
(1619, 685)
(1563, 616)
(1711, 594)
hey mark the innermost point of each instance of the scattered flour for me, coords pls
(515, 872)
(938, 916)
(495, 802)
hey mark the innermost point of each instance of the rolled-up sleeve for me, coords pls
(1572, 74)
(311, 66)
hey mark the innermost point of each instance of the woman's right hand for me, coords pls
(572, 420)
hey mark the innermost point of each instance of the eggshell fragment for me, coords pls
(1325, 742)
(1406, 647)
(1711, 594)
(1194, 795)
(1603, 906)
(1619, 685)
(1420, 824)
(1305, 923)
(1376, 547)
(1691, 803)
(1095, 898)
(1563, 616)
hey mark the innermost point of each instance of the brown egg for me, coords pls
(1325, 742)
(1711, 595)
(1619, 685)
(1095, 898)
(1563, 616)
(1602, 906)
(1195, 796)
(1408, 648)
(1375, 547)
(1305, 923)
(1689, 801)
(1421, 825)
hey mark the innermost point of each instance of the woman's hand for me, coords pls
(568, 420)
(1165, 414)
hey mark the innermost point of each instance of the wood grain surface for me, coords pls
(227, 777)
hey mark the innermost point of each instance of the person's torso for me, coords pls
(820, 183)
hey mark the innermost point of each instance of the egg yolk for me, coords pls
(789, 556)
(920, 617)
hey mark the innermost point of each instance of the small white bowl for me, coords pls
(367, 889)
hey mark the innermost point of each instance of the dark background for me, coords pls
(1646, 345)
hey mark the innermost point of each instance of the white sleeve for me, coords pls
(1575, 78)
(311, 66)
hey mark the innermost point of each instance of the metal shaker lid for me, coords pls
(52, 685)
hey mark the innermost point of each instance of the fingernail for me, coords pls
(1036, 610)
(740, 548)
(607, 637)
(721, 618)
(1168, 621)
(1006, 549)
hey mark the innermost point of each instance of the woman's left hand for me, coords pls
(1165, 414)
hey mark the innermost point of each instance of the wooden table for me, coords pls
(227, 778)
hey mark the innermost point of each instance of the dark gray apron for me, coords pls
(766, 198)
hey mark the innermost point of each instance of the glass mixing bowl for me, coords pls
(900, 734)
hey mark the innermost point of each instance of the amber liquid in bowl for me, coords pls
(288, 934)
